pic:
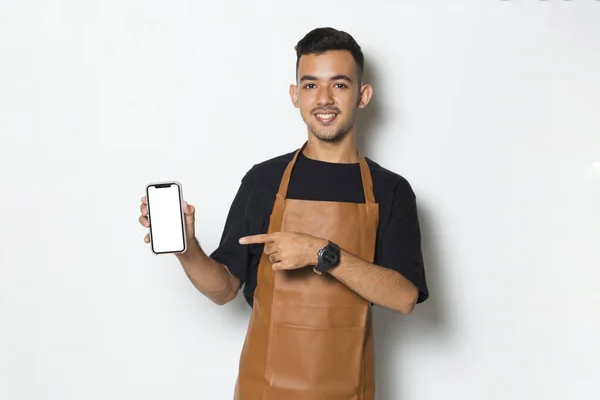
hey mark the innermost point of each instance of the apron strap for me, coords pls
(367, 182)
(365, 174)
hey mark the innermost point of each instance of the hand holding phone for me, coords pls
(170, 219)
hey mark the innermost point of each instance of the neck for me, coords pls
(344, 151)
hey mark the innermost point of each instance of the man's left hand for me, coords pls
(288, 250)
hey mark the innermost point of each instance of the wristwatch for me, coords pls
(329, 257)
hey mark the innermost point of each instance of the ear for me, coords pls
(294, 95)
(364, 97)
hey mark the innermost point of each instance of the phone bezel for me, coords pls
(182, 215)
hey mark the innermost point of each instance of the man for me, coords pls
(316, 237)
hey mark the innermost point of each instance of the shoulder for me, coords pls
(387, 182)
(268, 172)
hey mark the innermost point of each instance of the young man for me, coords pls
(316, 237)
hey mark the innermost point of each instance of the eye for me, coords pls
(340, 86)
(309, 86)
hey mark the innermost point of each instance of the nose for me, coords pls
(324, 96)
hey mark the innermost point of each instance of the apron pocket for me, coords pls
(317, 363)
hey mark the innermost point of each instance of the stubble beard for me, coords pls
(330, 134)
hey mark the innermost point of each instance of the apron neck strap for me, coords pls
(365, 174)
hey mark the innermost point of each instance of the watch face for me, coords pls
(329, 257)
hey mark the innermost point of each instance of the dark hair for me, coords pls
(320, 40)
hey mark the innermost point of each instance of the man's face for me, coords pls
(328, 93)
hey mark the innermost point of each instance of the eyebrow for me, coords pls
(334, 78)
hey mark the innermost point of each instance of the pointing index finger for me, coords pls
(263, 238)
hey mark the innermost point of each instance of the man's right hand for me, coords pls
(208, 276)
(190, 220)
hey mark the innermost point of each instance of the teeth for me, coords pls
(325, 116)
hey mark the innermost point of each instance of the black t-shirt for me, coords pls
(398, 237)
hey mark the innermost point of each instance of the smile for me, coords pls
(325, 118)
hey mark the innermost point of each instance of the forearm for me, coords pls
(379, 285)
(210, 277)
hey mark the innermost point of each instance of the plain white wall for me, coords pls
(489, 109)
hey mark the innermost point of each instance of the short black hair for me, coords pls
(320, 40)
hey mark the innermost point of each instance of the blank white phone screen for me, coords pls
(166, 224)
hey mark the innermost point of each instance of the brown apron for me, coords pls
(310, 337)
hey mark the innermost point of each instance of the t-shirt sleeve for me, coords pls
(401, 240)
(230, 252)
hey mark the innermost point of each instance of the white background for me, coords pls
(489, 109)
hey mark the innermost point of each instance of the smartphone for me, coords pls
(166, 217)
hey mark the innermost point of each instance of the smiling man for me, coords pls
(315, 237)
